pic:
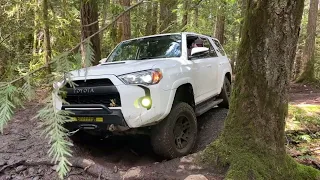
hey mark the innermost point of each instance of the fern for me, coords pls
(9, 99)
(89, 56)
(53, 121)
(26, 90)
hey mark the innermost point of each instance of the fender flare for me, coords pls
(173, 90)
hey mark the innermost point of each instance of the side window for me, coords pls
(198, 41)
(206, 43)
(220, 49)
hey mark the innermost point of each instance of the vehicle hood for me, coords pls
(122, 67)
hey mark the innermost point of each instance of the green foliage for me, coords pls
(9, 100)
(303, 117)
(53, 121)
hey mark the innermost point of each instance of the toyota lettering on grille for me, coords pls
(83, 91)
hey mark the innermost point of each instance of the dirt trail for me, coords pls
(22, 139)
(304, 94)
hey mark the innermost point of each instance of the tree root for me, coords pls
(89, 166)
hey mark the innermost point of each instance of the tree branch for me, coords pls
(86, 25)
(77, 46)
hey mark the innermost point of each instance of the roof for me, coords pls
(166, 34)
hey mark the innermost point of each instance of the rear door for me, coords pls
(202, 73)
(223, 63)
(214, 62)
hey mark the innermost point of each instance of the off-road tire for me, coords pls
(163, 138)
(225, 93)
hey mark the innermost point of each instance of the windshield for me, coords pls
(147, 48)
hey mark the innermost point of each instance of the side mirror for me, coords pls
(199, 51)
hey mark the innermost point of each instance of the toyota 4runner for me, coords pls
(156, 85)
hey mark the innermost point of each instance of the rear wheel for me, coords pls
(225, 93)
(176, 135)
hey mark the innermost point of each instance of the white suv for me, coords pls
(154, 85)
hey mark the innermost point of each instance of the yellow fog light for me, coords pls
(146, 102)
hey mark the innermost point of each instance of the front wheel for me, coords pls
(176, 135)
(225, 93)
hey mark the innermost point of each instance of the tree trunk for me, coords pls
(35, 25)
(90, 25)
(154, 17)
(148, 30)
(252, 143)
(151, 26)
(105, 8)
(219, 28)
(125, 21)
(47, 44)
(113, 30)
(185, 13)
(309, 48)
(168, 18)
(243, 7)
(196, 16)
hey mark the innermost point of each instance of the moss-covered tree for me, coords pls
(308, 57)
(252, 144)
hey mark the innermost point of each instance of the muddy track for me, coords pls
(22, 139)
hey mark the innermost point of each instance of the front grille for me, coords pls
(92, 83)
(112, 100)
(107, 98)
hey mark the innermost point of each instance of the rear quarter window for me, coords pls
(220, 48)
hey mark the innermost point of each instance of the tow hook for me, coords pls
(73, 132)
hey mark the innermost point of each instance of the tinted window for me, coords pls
(220, 48)
(148, 48)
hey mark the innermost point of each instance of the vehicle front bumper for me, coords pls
(103, 114)
(129, 114)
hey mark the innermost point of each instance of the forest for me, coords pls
(271, 131)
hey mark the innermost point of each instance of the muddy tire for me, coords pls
(225, 93)
(176, 135)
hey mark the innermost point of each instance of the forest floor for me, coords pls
(23, 149)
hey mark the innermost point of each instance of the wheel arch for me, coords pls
(175, 96)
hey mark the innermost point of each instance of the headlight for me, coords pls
(148, 77)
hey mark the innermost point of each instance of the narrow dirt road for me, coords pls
(22, 140)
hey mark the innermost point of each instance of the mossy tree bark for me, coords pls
(90, 25)
(252, 143)
(308, 60)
